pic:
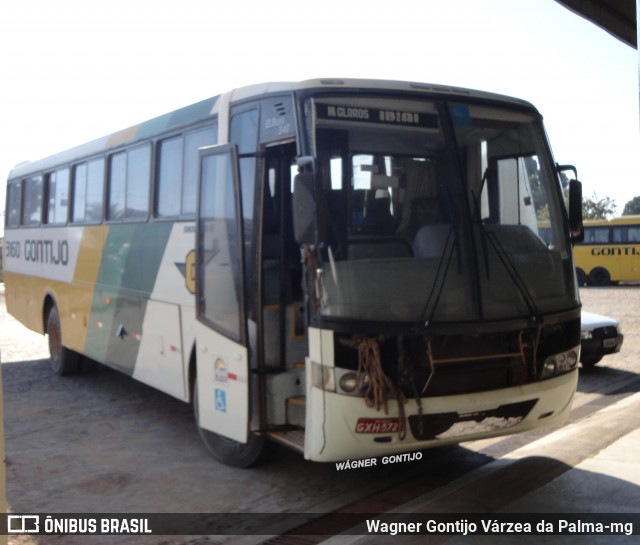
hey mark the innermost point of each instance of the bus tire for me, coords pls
(229, 452)
(599, 277)
(581, 276)
(63, 361)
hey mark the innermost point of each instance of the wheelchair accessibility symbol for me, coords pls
(221, 400)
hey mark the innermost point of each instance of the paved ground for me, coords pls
(120, 446)
(621, 302)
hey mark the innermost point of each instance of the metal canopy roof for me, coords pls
(618, 17)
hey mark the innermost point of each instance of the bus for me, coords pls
(351, 268)
(610, 252)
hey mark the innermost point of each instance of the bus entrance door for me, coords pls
(222, 381)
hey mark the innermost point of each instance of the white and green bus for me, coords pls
(351, 268)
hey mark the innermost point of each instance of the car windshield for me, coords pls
(436, 212)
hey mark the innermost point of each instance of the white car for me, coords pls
(600, 335)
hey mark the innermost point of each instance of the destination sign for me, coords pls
(376, 115)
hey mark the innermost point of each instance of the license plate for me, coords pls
(609, 343)
(377, 425)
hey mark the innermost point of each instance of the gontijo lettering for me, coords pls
(50, 252)
(625, 250)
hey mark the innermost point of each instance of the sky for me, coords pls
(75, 70)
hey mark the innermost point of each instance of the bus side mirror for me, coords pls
(576, 229)
(304, 208)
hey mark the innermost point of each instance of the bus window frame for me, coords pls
(125, 218)
(23, 201)
(16, 185)
(157, 144)
(241, 336)
(46, 200)
(72, 190)
(594, 229)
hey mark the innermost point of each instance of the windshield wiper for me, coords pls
(513, 274)
(486, 236)
(441, 273)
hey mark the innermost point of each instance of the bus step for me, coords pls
(296, 410)
(294, 439)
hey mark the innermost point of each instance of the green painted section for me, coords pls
(128, 271)
(179, 118)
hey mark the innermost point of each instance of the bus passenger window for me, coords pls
(117, 185)
(192, 143)
(13, 204)
(58, 194)
(596, 235)
(95, 187)
(138, 171)
(88, 182)
(32, 204)
(170, 178)
(626, 235)
(178, 173)
(129, 184)
(619, 235)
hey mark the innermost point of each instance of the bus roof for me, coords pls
(204, 109)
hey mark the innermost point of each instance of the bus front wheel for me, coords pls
(227, 451)
(63, 361)
(599, 277)
(581, 276)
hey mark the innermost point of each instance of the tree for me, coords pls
(594, 208)
(632, 207)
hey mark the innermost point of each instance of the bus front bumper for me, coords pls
(342, 427)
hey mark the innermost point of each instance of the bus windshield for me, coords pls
(434, 212)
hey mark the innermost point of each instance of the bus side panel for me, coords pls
(591, 256)
(168, 329)
(53, 262)
(223, 384)
(630, 262)
(615, 267)
(131, 259)
(159, 362)
(21, 293)
(79, 297)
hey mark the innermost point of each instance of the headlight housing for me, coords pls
(558, 364)
(342, 381)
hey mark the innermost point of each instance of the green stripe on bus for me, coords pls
(128, 271)
(184, 116)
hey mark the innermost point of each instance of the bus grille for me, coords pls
(447, 425)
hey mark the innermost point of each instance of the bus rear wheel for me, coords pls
(581, 276)
(255, 451)
(63, 361)
(599, 277)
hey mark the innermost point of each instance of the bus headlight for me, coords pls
(343, 381)
(323, 377)
(557, 364)
(349, 382)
